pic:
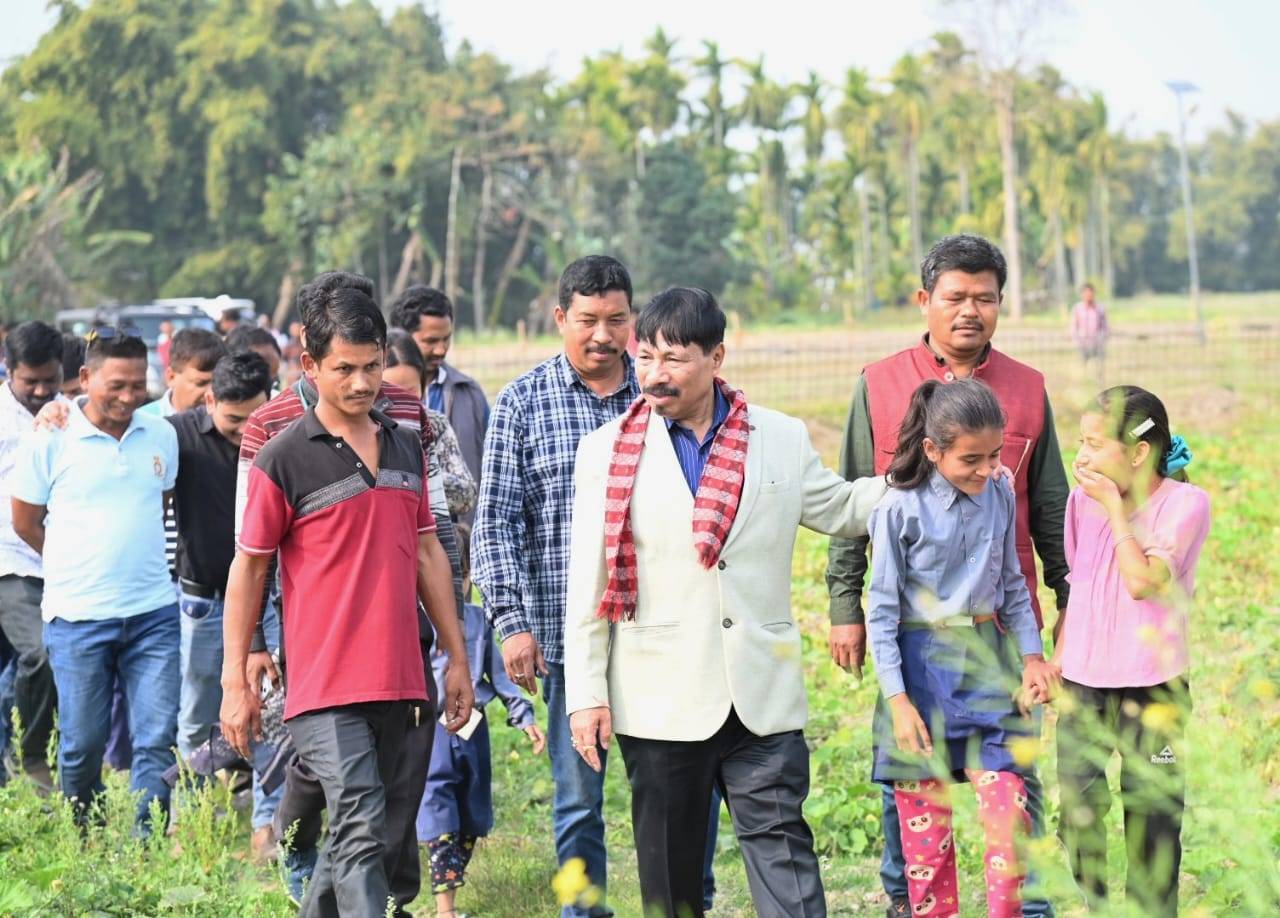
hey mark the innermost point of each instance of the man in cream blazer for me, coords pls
(679, 636)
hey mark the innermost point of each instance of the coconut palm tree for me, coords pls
(907, 100)
(856, 116)
(712, 67)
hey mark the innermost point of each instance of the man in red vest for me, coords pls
(963, 279)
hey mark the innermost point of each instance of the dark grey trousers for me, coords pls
(404, 796)
(34, 694)
(354, 752)
(763, 779)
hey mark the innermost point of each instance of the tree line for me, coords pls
(196, 147)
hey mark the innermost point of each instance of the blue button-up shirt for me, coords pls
(939, 554)
(520, 545)
(691, 453)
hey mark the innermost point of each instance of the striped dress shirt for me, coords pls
(692, 453)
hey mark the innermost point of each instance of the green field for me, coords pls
(1232, 831)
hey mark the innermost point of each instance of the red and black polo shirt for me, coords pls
(348, 544)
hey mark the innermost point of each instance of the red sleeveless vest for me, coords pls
(1020, 391)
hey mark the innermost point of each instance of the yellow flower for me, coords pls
(1160, 716)
(572, 886)
(1024, 749)
(1263, 689)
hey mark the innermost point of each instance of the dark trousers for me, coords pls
(354, 751)
(303, 801)
(764, 779)
(34, 694)
(1145, 725)
(404, 796)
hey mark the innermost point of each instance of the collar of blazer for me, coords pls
(660, 456)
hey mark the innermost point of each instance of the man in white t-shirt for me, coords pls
(33, 355)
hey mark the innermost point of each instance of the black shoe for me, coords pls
(898, 908)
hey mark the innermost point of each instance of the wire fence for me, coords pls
(813, 371)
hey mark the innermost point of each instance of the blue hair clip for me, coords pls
(1177, 458)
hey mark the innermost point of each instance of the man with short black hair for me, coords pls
(337, 494)
(427, 315)
(521, 538)
(961, 288)
(261, 342)
(33, 354)
(205, 508)
(303, 798)
(679, 637)
(109, 605)
(193, 353)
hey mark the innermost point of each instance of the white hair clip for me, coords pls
(1143, 427)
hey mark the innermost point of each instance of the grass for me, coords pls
(1232, 830)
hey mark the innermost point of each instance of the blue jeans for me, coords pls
(578, 808)
(142, 651)
(892, 868)
(200, 700)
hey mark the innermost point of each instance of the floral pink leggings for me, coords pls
(924, 809)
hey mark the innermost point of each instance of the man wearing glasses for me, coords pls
(91, 500)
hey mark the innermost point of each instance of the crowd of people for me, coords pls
(631, 518)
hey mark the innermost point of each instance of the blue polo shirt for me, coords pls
(104, 533)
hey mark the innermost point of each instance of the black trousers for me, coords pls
(404, 796)
(355, 752)
(1145, 725)
(763, 779)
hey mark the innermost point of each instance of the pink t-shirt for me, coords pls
(1111, 639)
(1088, 324)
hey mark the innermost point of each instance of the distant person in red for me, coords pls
(164, 343)
(1089, 328)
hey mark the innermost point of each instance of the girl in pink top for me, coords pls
(1133, 534)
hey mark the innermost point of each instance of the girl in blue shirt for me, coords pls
(949, 616)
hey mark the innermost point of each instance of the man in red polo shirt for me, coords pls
(302, 802)
(341, 495)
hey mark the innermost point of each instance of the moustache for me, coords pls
(662, 391)
(967, 326)
(602, 350)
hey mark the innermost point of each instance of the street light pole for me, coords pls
(1181, 88)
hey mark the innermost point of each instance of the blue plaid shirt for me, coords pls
(520, 545)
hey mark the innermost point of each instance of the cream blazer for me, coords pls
(702, 640)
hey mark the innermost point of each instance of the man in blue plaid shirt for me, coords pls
(521, 539)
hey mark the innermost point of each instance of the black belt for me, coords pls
(199, 590)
